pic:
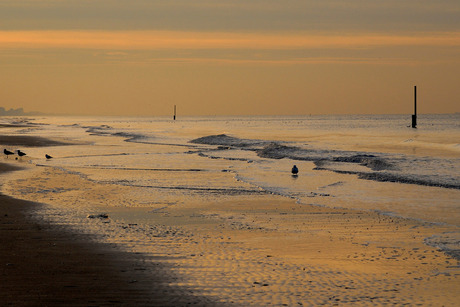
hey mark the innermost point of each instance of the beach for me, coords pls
(47, 266)
(44, 264)
(81, 240)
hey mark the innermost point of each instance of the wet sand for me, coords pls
(46, 264)
(30, 141)
(260, 251)
(41, 266)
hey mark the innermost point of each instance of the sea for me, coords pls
(360, 162)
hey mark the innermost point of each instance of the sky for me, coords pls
(230, 57)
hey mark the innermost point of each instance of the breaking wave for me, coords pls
(383, 167)
(225, 140)
(105, 130)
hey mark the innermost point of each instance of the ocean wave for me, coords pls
(202, 154)
(278, 151)
(131, 137)
(393, 177)
(449, 242)
(319, 156)
(371, 161)
(225, 140)
(105, 130)
(383, 167)
(389, 177)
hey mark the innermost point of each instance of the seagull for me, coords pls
(20, 153)
(294, 170)
(7, 152)
(47, 156)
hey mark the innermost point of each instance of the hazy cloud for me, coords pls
(236, 15)
(214, 40)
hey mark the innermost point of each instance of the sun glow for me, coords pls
(144, 40)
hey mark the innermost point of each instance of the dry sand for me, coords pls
(263, 251)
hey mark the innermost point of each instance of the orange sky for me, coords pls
(212, 58)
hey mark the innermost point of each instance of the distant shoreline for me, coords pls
(18, 112)
(185, 116)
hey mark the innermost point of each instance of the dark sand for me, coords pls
(29, 141)
(41, 266)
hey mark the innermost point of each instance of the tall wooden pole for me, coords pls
(414, 117)
(174, 118)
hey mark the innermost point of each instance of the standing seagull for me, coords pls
(47, 156)
(295, 170)
(20, 153)
(7, 152)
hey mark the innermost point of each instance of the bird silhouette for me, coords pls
(7, 152)
(21, 154)
(47, 156)
(295, 170)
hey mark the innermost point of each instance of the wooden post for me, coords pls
(414, 117)
(174, 117)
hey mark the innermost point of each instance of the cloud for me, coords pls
(157, 40)
(235, 15)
